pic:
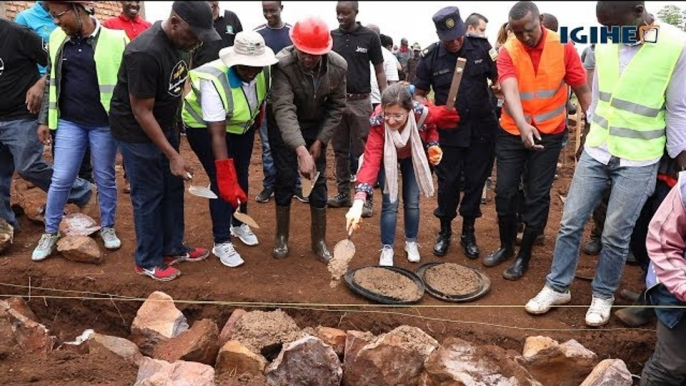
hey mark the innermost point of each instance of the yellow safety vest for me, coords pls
(239, 116)
(630, 114)
(109, 50)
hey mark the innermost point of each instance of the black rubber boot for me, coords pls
(521, 264)
(283, 224)
(508, 232)
(318, 233)
(443, 239)
(468, 238)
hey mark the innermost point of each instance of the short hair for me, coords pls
(618, 7)
(386, 40)
(522, 8)
(474, 19)
(550, 22)
(355, 4)
(397, 94)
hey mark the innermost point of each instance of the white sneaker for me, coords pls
(227, 255)
(545, 299)
(386, 259)
(46, 245)
(412, 251)
(599, 312)
(110, 239)
(244, 233)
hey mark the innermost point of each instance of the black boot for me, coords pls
(468, 239)
(443, 239)
(508, 232)
(283, 224)
(521, 264)
(635, 316)
(318, 233)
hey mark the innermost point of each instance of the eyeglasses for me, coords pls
(59, 15)
(396, 117)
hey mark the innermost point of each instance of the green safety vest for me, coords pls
(109, 49)
(630, 114)
(239, 116)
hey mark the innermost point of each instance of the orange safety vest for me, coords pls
(543, 93)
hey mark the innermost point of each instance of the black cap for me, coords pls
(449, 24)
(198, 15)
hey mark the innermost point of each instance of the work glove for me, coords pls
(227, 181)
(354, 215)
(435, 155)
(443, 118)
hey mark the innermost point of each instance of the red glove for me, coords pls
(227, 180)
(442, 117)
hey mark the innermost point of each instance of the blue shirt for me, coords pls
(39, 20)
(276, 38)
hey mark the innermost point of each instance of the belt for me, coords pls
(356, 97)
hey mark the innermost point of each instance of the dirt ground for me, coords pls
(498, 318)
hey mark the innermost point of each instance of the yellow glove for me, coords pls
(354, 216)
(435, 155)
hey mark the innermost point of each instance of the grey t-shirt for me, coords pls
(589, 60)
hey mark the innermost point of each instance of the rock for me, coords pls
(395, 358)
(460, 363)
(234, 358)
(557, 364)
(32, 202)
(354, 341)
(153, 372)
(81, 249)
(156, 321)
(121, 347)
(333, 337)
(610, 372)
(78, 224)
(199, 344)
(265, 333)
(31, 336)
(6, 333)
(306, 362)
(6, 235)
(80, 345)
(18, 304)
(230, 326)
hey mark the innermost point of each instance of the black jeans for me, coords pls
(86, 170)
(513, 160)
(240, 149)
(472, 163)
(667, 366)
(286, 164)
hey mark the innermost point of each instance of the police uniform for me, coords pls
(467, 149)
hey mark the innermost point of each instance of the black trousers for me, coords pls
(286, 164)
(640, 233)
(667, 366)
(86, 169)
(472, 163)
(512, 161)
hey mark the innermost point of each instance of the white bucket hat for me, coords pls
(248, 49)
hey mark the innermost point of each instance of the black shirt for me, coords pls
(151, 68)
(435, 71)
(358, 48)
(80, 90)
(227, 26)
(21, 50)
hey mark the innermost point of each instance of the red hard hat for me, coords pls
(312, 36)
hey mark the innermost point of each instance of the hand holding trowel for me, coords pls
(200, 191)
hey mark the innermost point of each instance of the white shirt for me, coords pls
(390, 68)
(211, 102)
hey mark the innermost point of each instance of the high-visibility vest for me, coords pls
(109, 51)
(544, 92)
(239, 116)
(630, 113)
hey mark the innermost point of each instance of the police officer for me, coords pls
(468, 148)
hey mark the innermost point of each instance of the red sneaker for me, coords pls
(162, 272)
(193, 255)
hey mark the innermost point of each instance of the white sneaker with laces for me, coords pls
(227, 255)
(244, 233)
(386, 259)
(110, 239)
(45, 247)
(598, 313)
(546, 299)
(412, 251)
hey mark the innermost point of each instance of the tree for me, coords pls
(671, 14)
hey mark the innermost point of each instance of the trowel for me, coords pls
(345, 249)
(244, 218)
(307, 184)
(200, 191)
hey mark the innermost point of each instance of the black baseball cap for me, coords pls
(449, 24)
(198, 15)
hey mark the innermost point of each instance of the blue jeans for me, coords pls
(157, 198)
(389, 210)
(21, 150)
(71, 142)
(630, 188)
